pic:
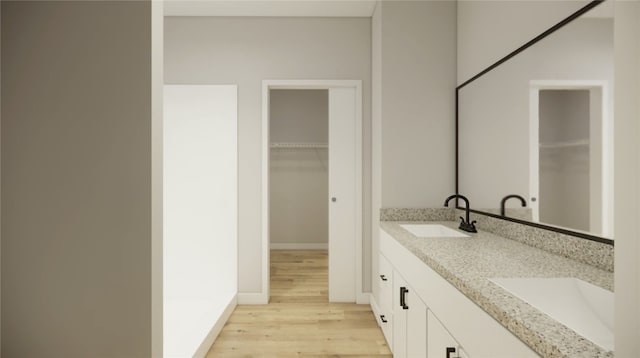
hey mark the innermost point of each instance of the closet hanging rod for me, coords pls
(298, 145)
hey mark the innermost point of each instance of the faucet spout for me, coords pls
(465, 225)
(504, 201)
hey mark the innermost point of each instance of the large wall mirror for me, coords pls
(538, 126)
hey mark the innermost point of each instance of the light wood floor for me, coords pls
(299, 321)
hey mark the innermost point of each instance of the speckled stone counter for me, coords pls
(468, 263)
(586, 251)
(417, 214)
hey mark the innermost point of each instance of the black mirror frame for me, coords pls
(538, 38)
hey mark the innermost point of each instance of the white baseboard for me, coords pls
(299, 246)
(375, 309)
(201, 352)
(363, 298)
(257, 298)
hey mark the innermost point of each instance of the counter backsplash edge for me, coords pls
(592, 253)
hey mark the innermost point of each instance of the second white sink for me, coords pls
(432, 230)
(579, 305)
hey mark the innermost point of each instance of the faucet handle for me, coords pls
(464, 226)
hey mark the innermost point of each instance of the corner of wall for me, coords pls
(376, 138)
(627, 178)
(210, 339)
(0, 180)
(157, 82)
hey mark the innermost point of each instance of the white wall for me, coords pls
(627, 179)
(200, 212)
(299, 186)
(76, 179)
(248, 50)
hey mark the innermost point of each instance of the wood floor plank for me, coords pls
(299, 321)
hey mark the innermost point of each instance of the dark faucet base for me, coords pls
(466, 226)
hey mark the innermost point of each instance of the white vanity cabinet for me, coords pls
(441, 342)
(385, 304)
(438, 316)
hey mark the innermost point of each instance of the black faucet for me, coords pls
(504, 201)
(465, 225)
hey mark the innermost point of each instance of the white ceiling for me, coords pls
(321, 8)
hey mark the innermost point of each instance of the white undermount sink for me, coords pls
(579, 305)
(432, 230)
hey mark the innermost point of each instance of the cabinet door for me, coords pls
(416, 325)
(399, 318)
(410, 321)
(440, 344)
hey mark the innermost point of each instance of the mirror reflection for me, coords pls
(538, 128)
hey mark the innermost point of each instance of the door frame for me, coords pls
(606, 140)
(268, 85)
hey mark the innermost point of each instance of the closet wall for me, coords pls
(298, 169)
(565, 190)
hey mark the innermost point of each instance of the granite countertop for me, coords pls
(467, 263)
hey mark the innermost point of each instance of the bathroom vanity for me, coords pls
(437, 297)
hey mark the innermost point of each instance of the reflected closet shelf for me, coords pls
(293, 145)
(567, 144)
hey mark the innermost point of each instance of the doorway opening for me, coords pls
(571, 156)
(298, 192)
(317, 170)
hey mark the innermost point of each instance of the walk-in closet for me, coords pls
(299, 169)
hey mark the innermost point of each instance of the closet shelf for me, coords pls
(567, 144)
(288, 145)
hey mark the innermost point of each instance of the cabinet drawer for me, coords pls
(385, 283)
(387, 327)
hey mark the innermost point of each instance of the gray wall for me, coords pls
(414, 62)
(299, 178)
(627, 179)
(0, 181)
(418, 87)
(490, 29)
(299, 116)
(76, 179)
(245, 51)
